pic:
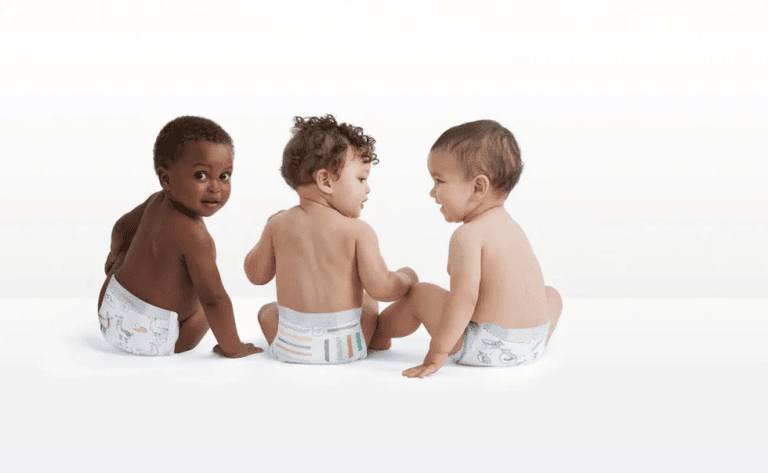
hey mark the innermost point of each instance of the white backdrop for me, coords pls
(642, 126)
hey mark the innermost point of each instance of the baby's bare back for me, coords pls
(154, 270)
(511, 291)
(316, 263)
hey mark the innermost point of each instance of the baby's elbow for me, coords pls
(376, 291)
(465, 299)
(259, 279)
(386, 292)
(213, 300)
(257, 276)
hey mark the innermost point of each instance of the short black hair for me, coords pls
(484, 147)
(321, 143)
(180, 130)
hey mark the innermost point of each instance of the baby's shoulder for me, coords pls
(496, 226)
(471, 233)
(359, 229)
(185, 233)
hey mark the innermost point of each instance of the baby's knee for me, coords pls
(426, 290)
(554, 301)
(267, 311)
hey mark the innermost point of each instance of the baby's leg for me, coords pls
(191, 330)
(423, 304)
(555, 307)
(268, 316)
(370, 317)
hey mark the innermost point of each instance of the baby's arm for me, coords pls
(199, 252)
(260, 262)
(380, 283)
(464, 256)
(123, 232)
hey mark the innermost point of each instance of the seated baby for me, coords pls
(325, 260)
(163, 288)
(498, 311)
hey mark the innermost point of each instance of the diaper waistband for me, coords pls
(515, 335)
(325, 320)
(124, 296)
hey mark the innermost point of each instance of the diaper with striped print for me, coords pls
(318, 338)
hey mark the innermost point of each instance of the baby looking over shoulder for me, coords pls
(498, 311)
(327, 264)
(163, 289)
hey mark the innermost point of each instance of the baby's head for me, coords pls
(193, 160)
(321, 143)
(169, 145)
(331, 159)
(472, 165)
(484, 147)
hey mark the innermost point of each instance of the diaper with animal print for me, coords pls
(490, 345)
(318, 338)
(134, 326)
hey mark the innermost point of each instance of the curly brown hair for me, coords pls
(484, 147)
(321, 143)
(178, 131)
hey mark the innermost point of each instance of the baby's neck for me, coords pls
(486, 207)
(177, 206)
(311, 197)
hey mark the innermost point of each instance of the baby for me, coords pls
(163, 288)
(498, 311)
(326, 261)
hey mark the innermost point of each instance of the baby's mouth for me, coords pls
(211, 201)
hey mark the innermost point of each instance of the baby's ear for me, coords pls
(482, 185)
(165, 178)
(323, 180)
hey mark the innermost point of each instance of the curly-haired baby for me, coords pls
(326, 261)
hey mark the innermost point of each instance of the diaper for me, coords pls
(132, 325)
(491, 345)
(318, 338)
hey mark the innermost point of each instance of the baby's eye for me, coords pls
(201, 175)
(438, 181)
(362, 179)
(225, 176)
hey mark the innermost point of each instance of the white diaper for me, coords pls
(491, 345)
(132, 325)
(318, 338)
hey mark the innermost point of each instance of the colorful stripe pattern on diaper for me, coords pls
(319, 338)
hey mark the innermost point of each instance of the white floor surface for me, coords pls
(625, 385)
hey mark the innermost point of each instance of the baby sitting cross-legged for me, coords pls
(498, 311)
(163, 290)
(326, 262)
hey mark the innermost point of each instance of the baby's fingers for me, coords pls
(252, 349)
(246, 349)
(419, 371)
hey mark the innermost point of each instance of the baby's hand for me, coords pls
(246, 349)
(432, 363)
(111, 258)
(410, 274)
